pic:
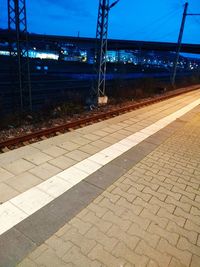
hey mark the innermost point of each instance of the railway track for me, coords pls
(12, 143)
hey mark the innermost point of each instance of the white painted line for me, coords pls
(102, 159)
(73, 175)
(22, 206)
(31, 200)
(110, 151)
(10, 216)
(88, 166)
(55, 186)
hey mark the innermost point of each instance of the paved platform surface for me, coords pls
(141, 208)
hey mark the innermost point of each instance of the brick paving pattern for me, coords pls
(149, 217)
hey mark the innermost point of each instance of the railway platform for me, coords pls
(121, 192)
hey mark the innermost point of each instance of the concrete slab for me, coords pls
(7, 192)
(77, 155)
(63, 162)
(13, 247)
(18, 166)
(45, 171)
(4, 175)
(23, 182)
(38, 158)
(55, 151)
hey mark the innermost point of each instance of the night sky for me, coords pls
(156, 20)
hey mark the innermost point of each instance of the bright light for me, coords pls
(4, 53)
(43, 55)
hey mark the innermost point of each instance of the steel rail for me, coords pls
(16, 141)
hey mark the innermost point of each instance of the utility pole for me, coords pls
(101, 48)
(17, 24)
(179, 43)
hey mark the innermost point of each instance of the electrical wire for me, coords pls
(156, 31)
(157, 22)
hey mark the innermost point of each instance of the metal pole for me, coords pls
(17, 23)
(101, 48)
(101, 36)
(179, 44)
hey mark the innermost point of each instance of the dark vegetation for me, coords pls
(74, 101)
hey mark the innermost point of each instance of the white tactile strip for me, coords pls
(22, 206)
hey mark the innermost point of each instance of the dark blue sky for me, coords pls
(156, 20)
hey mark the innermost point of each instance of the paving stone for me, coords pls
(7, 192)
(92, 219)
(107, 259)
(177, 219)
(132, 183)
(37, 252)
(145, 196)
(111, 217)
(186, 215)
(162, 222)
(19, 166)
(83, 242)
(14, 155)
(89, 149)
(4, 175)
(129, 241)
(63, 162)
(184, 206)
(189, 201)
(49, 259)
(136, 209)
(27, 263)
(176, 263)
(124, 252)
(189, 225)
(151, 238)
(54, 151)
(91, 137)
(77, 155)
(75, 256)
(80, 140)
(195, 211)
(184, 244)
(182, 255)
(80, 225)
(182, 192)
(127, 196)
(45, 171)
(167, 192)
(100, 144)
(101, 133)
(109, 140)
(149, 191)
(59, 246)
(24, 181)
(198, 241)
(161, 258)
(106, 241)
(152, 263)
(151, 207)
(38, 158)
(69, 146)
(98, 210)
(195, 261)
(172, 238)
